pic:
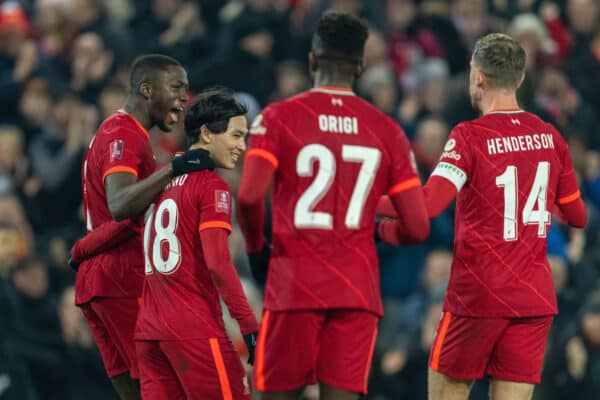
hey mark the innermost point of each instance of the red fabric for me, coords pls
(412, 224)
(191, 369)
(323, 249)
(188, 263)
(503, 348)
(500, 268)
(256, 177)
(104, 237)
(438, 194)
(226, 279)
(322, 336)
(120, 142)
(112, 322)
(573, 213)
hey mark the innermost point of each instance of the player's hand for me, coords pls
(192, 160)
(250, 340)
(259, 264)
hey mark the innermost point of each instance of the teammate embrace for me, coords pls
(331, 157)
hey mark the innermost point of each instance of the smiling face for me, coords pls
(169, 96)
(227, 148)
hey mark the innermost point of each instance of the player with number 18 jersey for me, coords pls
(181, 342)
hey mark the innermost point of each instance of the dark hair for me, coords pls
(501, 59)
(340, 36)
(213, 107)
(144, 67)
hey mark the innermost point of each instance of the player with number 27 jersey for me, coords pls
(509, 168)
(338, 155)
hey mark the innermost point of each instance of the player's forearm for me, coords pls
(438, 193)
(254, 184)
(412, 225)
(574, 213)
(385, 208)
(394, 232)
(251, 218)
(226, 279)
(131, 200)
(102, 238)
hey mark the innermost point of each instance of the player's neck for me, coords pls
(333, 80)
(138, 111)
(498, 100)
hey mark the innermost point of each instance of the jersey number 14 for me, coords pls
(537, 196)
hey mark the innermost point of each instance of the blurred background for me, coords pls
(64, 67)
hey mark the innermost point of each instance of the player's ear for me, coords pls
(205, 134)
(145, 90)
(521, 80)
(359, 69)
(479, 78)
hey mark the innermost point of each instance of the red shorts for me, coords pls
(112, 322)
(296, 348)
(510, 349)
(191, 369)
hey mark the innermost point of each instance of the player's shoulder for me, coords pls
(207, 179)
(120, 124)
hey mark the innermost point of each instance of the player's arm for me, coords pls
(412, 222)
(572, 211)
(438, 193)
(568, 199)
(100, 239)
(256, 177)
(260, 164)
(227, 281)
(128, 197)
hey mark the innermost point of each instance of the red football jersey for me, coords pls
(121, 144)
(510, 168)
(180, 300)
(335, 155)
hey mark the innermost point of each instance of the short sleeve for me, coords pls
(124, 153)
(215, 206)
(264, 134)
(404, 173)
(568, 188)
(456, 161)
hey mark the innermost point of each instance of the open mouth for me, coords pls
(175, 113)
(235, 157)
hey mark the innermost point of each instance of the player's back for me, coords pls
(336, 156)
(512, 163)
(120, 144)
(180, 300)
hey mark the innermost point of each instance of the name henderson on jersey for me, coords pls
(536, 141)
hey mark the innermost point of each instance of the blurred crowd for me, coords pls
(64, 67)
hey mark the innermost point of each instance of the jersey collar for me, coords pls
(140, 126)
(506, 111)
(334, 90)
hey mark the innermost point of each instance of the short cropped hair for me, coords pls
(213, 107)
(341, 36)
(144, 67)
(501, 59)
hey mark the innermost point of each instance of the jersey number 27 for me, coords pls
(304, 216)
